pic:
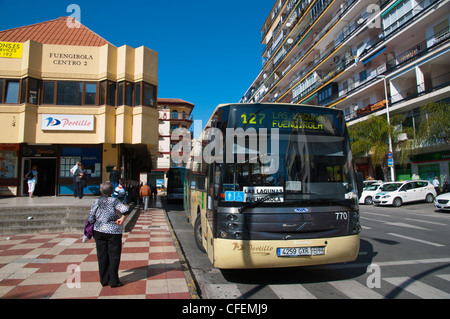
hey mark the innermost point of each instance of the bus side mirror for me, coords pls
(360, 183)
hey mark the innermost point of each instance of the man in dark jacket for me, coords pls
(81, 179)
(114, 177)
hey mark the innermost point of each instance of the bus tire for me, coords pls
(198, 233)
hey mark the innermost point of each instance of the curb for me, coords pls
(184, 264)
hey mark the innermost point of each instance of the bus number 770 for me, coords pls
(341, 215)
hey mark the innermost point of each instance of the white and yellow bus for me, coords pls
(273, 185)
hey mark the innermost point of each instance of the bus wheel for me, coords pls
(198, 233)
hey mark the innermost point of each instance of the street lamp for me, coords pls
(389, 122)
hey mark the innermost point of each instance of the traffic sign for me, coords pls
(390, 162)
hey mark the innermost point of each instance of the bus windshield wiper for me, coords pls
(259, 201)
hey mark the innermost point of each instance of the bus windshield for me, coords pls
(313, 164)
(175, 183)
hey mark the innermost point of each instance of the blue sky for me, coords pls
(209, 51)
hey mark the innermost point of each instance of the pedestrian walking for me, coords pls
(108, 214)
(120, 192)
(145, 192)
(32, 180)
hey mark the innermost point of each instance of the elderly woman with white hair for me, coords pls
(108, 214)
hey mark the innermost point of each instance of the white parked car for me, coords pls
(442, 201)
(369, 182)
(369, 193)
(397, 193)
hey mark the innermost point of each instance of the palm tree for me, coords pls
(371, 138)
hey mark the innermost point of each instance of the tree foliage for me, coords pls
(370, 138)
(435, 126)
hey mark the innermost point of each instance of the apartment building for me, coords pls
(351, 55)
(68, 95)
(173, 114)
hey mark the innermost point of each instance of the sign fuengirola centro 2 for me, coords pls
(67, 122)
(11, 50)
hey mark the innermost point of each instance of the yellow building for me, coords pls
(68, 95)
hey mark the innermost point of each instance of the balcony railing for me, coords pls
(437, 83)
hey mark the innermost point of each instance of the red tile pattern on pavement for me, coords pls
(60, 265)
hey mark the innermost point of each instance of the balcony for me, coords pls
(410, 93)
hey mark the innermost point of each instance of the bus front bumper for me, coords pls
(241, 254)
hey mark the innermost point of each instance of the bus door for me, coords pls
(214, 178)
(187, 195)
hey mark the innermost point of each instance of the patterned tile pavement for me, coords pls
(61, 266)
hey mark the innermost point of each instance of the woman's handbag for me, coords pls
(88, 231)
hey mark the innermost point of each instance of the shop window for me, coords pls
(91, 157)
(12, 91)
(67, 162)
(69, 93)
(8, 162)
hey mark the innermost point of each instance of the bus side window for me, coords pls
(217, 176)
(210, 186)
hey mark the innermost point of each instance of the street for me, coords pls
(404, 254)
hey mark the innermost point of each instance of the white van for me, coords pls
(397, 193)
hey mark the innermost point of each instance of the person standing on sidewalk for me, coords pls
(145, 193)
(74, 179)
(81, 179)
(108, 214)
(32, 180)
(114, 177)
(436, 185)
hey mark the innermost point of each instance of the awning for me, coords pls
(374, 55)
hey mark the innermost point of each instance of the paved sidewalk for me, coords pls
(61, 266)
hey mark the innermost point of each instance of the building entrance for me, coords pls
(46, 168)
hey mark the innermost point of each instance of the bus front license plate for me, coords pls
(300, 251)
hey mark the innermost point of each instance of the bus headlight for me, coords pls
(223, 234)
(232, 226)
